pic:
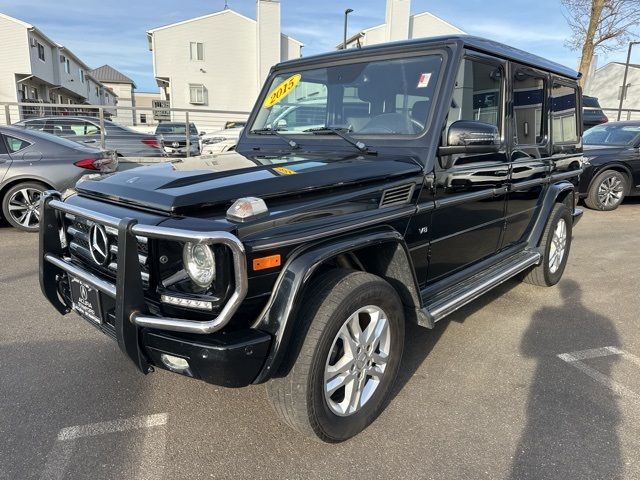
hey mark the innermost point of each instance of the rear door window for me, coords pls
(564, 114)
(529, 107)
(15, 144)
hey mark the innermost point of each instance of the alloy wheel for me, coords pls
(610, 191)
(357, 360)
(558, 246)
(24, 207)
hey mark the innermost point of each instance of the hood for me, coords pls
(221, 179)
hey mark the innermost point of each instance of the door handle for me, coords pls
(90, 141)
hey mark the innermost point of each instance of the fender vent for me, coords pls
(397, 195)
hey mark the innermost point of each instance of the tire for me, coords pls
(20, 205)
(607, 191)
(299, 397)
(550, 271)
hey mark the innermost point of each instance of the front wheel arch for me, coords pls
(279, 315)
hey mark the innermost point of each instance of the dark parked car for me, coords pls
(32, 162)
(298, 259)
(612, 171)
(86, 130)
(173, 138)
(592, 113)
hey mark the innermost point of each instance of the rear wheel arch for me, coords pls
(616, 167)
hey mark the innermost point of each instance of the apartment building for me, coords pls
(219, 61)
(401, 25)
(121, 86)
(36, 69)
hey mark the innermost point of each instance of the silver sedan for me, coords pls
(32, 162)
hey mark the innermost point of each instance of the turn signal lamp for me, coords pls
(247, 208)
(263, 263)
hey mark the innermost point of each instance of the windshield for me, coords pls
(176, 129)
(612, 134)
(382, 97)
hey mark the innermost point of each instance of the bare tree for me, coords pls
(603, 25)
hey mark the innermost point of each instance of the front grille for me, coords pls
(170, 143)
(78, 233)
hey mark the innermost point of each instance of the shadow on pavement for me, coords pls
(419, 341)
(572, 421)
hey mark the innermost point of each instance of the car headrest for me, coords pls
(419, 111)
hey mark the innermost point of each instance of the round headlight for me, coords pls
(200, 264)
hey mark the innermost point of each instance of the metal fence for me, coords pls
(627, 114)
(162, 131)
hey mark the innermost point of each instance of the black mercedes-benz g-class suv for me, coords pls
(371, 187)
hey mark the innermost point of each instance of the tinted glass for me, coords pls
(619, 135)
(477, 94)
(176, 129)
(528, 111)
(564, 114)
(590, 102)
(72, 128)
(15, 144)
(382, 97)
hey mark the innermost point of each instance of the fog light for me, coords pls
(175, 364)
(187, 302)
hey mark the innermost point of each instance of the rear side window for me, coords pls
(3, 148)
(73, 128)
(35, 124)
(528, 108)
(564, 114)
(15, 144)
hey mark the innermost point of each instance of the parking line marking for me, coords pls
(575, 359)
(113, 426)
(153, 445)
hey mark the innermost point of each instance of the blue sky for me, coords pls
(113, 31)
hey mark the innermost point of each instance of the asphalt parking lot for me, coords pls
(527, 383)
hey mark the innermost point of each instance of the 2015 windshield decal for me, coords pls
(281, 91)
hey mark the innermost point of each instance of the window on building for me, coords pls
(41, 52)
(196, 94)
(15, 144)
(196, 50)
(67, 64)
(478, 93)
(143, 118)
(81, 75)
(564, 114)
(528, 108)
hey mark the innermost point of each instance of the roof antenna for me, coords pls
(226, 5)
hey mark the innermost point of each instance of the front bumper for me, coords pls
(134, 327)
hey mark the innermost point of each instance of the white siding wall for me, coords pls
(14, 58)
(229, 64)
(427, 25)
(606, 83)
(44, 70)
(268, 37)
(71, 81)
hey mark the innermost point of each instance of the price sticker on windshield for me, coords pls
(281, 91)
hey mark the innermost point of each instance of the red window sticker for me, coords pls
(423, 82)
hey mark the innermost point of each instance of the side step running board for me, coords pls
(451, 299)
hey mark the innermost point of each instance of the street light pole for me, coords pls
(624, 80)
(346, 17)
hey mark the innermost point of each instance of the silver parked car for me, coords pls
(124, 141)
(32, 162)
(173, 138)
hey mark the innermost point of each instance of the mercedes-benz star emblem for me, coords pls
(83, 293)
(99, 245)
(175, 144)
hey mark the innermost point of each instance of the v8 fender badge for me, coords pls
(423, 230)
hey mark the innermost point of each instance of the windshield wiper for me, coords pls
(342, 132)
(274, 131)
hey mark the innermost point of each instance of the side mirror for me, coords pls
(470, 136)
(202, 134)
